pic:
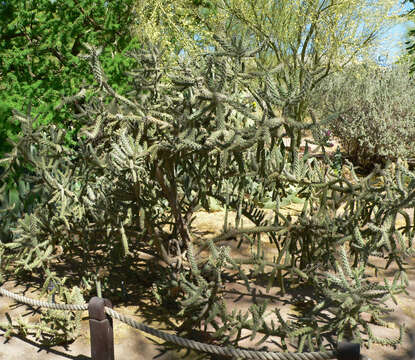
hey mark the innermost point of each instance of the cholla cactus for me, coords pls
(147, 161)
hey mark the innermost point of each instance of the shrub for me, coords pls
(377, 121)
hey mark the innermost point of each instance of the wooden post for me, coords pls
(100, 325)
(348, 351)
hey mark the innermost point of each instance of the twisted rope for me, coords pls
(220, 350)
(191, 344)
(44, 304)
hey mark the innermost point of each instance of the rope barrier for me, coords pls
(220, 350)
(191, 344)
(44, 304)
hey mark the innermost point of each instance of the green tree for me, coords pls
(39, 46)
(39, 64)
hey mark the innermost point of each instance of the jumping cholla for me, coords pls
(146, 162)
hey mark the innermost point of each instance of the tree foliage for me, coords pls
(40, 44)
(39, 47)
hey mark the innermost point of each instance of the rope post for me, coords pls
(100, 325)
(348, 351)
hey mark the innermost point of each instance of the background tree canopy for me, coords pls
(39, 46)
